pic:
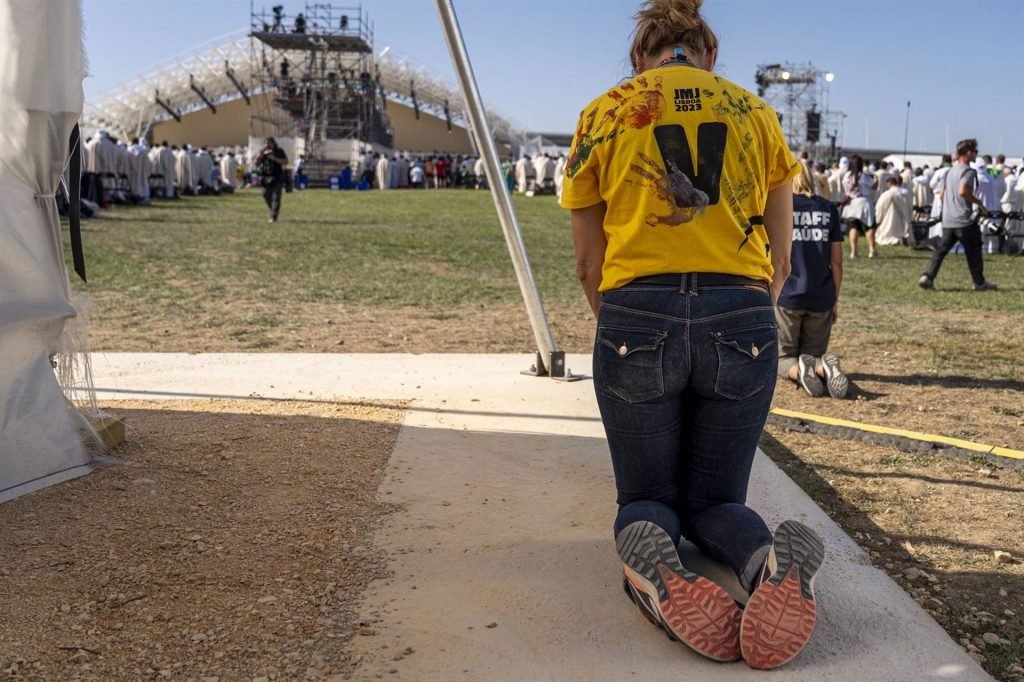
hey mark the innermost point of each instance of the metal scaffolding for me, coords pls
(799, 93)
(224, 70)
(318, 66)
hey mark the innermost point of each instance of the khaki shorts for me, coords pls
(801, 332)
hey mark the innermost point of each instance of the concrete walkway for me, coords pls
(503, 565)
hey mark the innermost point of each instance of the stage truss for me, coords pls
(222, 70)
(799, 93)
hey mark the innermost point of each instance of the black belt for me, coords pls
(697, 280)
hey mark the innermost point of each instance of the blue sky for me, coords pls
(539, 62)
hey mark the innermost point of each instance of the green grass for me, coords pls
(422, 248)
(370, 248)
(892, 278)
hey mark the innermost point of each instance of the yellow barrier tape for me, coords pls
(955, 442)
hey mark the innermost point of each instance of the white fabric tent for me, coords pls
(41, 72)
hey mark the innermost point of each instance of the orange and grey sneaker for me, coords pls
(780, 614)
(691, 609)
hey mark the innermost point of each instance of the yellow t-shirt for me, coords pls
(684, 159)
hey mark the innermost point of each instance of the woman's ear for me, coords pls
(712, 58)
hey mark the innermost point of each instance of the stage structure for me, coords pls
(799, 93)
(326, 93)
(222, 76)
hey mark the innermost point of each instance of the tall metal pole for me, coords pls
(906, 133)
(499, 191)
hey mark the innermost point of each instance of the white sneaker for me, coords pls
(835, 380)
(808, 377)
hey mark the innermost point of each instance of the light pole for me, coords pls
(827, 119)
(906, 133)
(829, 77)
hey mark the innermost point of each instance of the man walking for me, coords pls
(271, 164)
(958, 220)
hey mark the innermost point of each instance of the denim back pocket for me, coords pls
(747, 360)
(629, 362)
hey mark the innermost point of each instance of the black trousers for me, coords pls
(970, 237)
(272, 195)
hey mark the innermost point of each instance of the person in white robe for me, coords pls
(204, 165)
(922, 193)
(123, 171)
(892, 213)
(936, 183)
(185, 180)
(988, 192)
(382, 173)
(1010, 202)
(138, 175)
(166, 167)
(521, 175)
(193, 159)
(229, 171)
(986, 189)
(101, 154)
(835, 180)
(559, 175)
(539, 162)
(922, 199)
(154, 165)
(1014, 198)
(882, 174)
(547, 174)
(907, 197)
(907, 175)
(480, 173)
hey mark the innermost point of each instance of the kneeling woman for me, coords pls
(680, 185)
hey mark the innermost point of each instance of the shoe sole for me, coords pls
(808, 378)
(780, 615)
(837, 383)
(692, 609)
(644, 605)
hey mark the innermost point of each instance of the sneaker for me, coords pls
(835, 380)
(926, 282)
(691, 609)
(985, 286)
(781, 612)
(808, 377)
(644, 604)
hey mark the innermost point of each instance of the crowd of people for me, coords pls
(115, 171)
(129, 173)
(884, 203)
(540, 174)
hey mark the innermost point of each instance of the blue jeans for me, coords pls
(684, 373)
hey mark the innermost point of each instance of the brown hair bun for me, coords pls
(670, 23)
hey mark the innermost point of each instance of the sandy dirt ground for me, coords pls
(229, 543)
